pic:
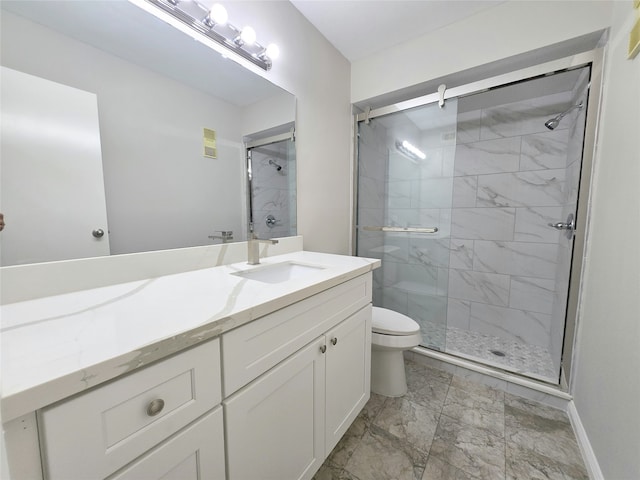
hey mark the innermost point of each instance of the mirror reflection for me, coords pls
(121, 134)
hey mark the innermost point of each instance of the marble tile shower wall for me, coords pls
(510, 182)
(272, 191)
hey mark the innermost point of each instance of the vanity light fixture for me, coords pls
(213, 23)
(414, 153)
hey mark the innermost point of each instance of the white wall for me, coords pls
(606, 384)
(511, 28)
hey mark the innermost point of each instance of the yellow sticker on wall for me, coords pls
(209, 143)
(634, 40)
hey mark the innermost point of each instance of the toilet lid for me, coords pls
(392, 323)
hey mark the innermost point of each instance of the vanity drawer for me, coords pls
(98, 432)
(254, 348)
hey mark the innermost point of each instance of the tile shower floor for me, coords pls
(449, 428)
(530, 360)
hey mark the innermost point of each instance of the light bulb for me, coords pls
(248, 36)
(272, 51)
(218, 14)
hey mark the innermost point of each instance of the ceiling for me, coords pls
(359, 28)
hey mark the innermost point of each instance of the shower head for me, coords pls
(552, 123)
(271, 162)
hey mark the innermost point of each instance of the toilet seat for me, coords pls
(390, 323)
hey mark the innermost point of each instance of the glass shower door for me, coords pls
(405, 187)
(497, 172)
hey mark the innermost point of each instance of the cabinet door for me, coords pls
(275, 425)
(195, 453)
(348, 365)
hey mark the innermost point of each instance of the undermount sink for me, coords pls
(279, 272)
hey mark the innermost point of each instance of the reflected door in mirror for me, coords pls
(52, 186)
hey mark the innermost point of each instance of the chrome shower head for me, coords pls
(552, 123)
(271, 162)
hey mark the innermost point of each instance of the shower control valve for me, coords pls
(271, 221)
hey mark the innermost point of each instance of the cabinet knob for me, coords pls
(323, 348)
(334, 340)
(155, 407)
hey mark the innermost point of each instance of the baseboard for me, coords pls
(589, 457)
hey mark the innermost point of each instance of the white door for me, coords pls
(51, 179)
(348, 373)
(275, 425)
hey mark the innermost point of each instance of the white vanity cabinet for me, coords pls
(265, 398)
(284, 423)
(96, 433)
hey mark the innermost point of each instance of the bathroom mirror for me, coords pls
(161, 98)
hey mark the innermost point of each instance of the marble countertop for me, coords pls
(57, 346)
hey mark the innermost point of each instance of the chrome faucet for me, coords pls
(225, 236)
(253, 248)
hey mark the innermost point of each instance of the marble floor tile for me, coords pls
(535, 408)
(475, 410)
(409, 422)
(436, 469)
(342, 452)
(372, 408)
(471, 449)
(449, 427)
(427, 386)
(331, 472)
(379, 457)
(482, 392)
(522, 463)
(545, 436)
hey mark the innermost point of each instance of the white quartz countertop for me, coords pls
(57, 346)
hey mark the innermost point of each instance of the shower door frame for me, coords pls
(594, 59)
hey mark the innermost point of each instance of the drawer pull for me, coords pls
(155, 407)
(334, 340)
(323, 348)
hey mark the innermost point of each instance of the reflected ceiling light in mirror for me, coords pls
(410, 151)
(247, 37)
(272, 51)
(213, 23)
(217, 16)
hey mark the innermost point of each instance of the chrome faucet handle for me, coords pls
(271, 221)
(225, 235)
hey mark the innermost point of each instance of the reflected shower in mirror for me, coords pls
(271, 164)
(163, 117)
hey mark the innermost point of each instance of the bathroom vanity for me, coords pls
(235, 371)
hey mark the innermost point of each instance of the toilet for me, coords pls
(392, 334)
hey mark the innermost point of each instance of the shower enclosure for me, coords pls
(470, 205)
